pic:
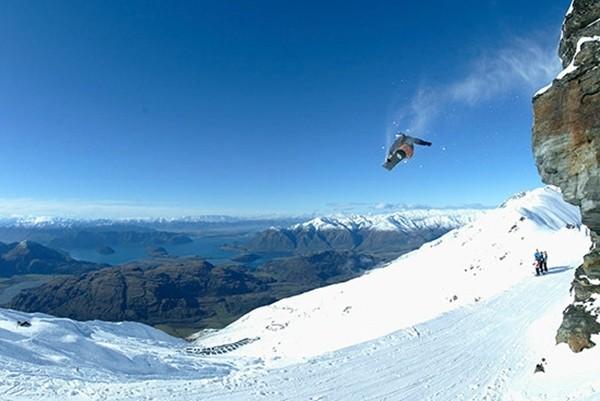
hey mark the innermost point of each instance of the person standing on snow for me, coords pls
(544, 261)
(538, 262)
(541, 367)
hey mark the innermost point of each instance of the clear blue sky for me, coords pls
(253, 107)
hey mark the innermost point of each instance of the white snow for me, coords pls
(570, 10)
(592, 23)
(462, 318)
(405, 221)
(62, 222)
(94, 350)
(543, 90)
(572, 67)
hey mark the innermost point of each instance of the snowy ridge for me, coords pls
(464, 267)
(38, 221)
(545, 207)
(406, 221)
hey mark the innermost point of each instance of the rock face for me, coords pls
(566, 144)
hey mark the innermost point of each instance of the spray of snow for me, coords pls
(522, 66)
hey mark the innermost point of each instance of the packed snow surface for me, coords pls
(462, 318)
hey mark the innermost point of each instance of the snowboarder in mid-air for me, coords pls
(402, 148)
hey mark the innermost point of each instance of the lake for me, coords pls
(209, 248)
(11, 286)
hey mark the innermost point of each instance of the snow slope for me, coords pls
(485, 352)
(94, 350)
(398, 333)
(466, 266)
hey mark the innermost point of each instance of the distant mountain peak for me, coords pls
(407, 220)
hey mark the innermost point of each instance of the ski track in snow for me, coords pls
(478, 352)
(471, 353)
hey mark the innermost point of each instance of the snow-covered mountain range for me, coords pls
(408, 220)
(58, 222)
(68, 233)
(394, 233)
(463, 317)
(390, 221)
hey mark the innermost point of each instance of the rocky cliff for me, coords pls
(566, 144)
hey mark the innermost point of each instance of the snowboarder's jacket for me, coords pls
(402, 149)
(538, 256)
